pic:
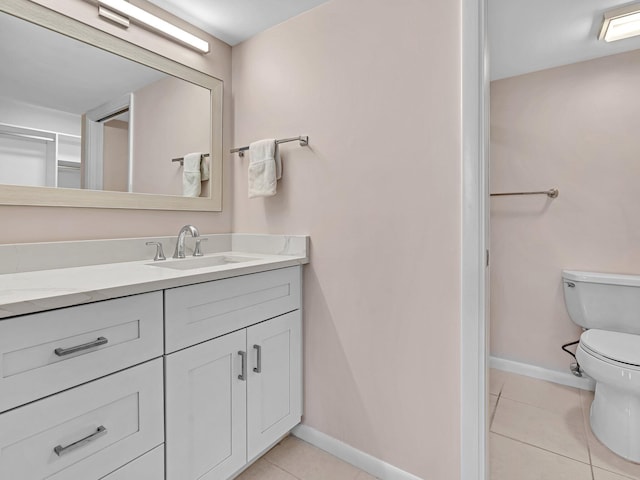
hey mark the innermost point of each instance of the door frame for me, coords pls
(474, 242)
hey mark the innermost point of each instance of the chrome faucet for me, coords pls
(179, 251)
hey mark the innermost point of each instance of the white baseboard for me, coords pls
(364, 461)
(585, 382)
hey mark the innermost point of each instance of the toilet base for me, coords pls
(615, 420)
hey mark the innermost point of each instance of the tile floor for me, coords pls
(540, 430)
(293, 459)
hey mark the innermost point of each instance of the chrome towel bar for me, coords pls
(181, 159)
(303, 139)
(553, 193)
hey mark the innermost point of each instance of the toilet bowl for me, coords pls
(608, 306)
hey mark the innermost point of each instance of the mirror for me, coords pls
(87, 119)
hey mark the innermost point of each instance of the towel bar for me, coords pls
(553, 193)
(181, 159)
(303, 139)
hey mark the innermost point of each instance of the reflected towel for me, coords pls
(265, 168)
(191, 178)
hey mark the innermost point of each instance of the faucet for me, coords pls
(179, 251)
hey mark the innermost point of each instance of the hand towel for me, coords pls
(265, 168)
(191, 179)
(204, 168)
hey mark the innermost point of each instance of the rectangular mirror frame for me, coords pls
(64, 197)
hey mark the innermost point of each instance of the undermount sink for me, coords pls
(200, 262)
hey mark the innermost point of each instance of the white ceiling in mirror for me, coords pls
(85, 73)
(233, 21)
(526, 36)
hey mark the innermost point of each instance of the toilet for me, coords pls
(608, 307)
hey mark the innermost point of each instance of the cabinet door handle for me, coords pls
(100, 432)
(258, 367)
(61, 352)
(243, 375)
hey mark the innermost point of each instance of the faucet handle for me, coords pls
(196, 251)
(159, 251)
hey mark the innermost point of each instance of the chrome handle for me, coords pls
(100, 432)
(258, 367)
(61, 352)
(571, 285)
(159, 251)
(196, 251)
(243, 375)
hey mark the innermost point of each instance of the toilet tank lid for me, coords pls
(606, 278)
(619, 347)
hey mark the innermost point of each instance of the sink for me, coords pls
(201, 262)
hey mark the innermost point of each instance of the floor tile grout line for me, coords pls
(540, 448)
(284, 470)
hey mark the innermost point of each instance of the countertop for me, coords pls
(34, 291)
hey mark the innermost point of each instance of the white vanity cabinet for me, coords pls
(230, 398)
(192, 382)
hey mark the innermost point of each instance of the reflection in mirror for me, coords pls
(75, 116)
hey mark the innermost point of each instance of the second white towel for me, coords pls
(191, 177)
(265, 168)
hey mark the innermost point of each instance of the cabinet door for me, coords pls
(274, 389)
(206, 410)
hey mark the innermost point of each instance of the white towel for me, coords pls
(204, 168)
(191, 179)
(265, 168)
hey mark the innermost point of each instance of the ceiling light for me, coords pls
(141, 16)
(621, 23)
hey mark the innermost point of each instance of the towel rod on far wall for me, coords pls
(303, 139)
(181, 159)
(553, 193)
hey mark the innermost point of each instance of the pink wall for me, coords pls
(574, 127)
(171, 118)
(39, 224)
(376, 86)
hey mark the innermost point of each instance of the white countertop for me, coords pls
(34, 291)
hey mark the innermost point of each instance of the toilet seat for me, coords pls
(612, 347)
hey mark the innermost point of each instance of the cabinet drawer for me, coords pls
(38, 355)
(196, 313)
(150, 466)
(87, 432)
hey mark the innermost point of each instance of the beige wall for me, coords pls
(171, 118)
(574, 127)
(376, 86)
(37, 224)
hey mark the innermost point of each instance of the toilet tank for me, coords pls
(606, 301)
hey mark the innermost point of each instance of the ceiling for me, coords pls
(530, 35)
(233, 21)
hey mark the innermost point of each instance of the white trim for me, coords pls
(584, 383)
(474, 277)
(355, 457)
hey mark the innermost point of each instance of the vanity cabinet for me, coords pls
(87, 391)
(230, 398)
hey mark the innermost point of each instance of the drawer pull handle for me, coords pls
(258, 367)
(100, 432)
(243, 375)
(61, 352)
